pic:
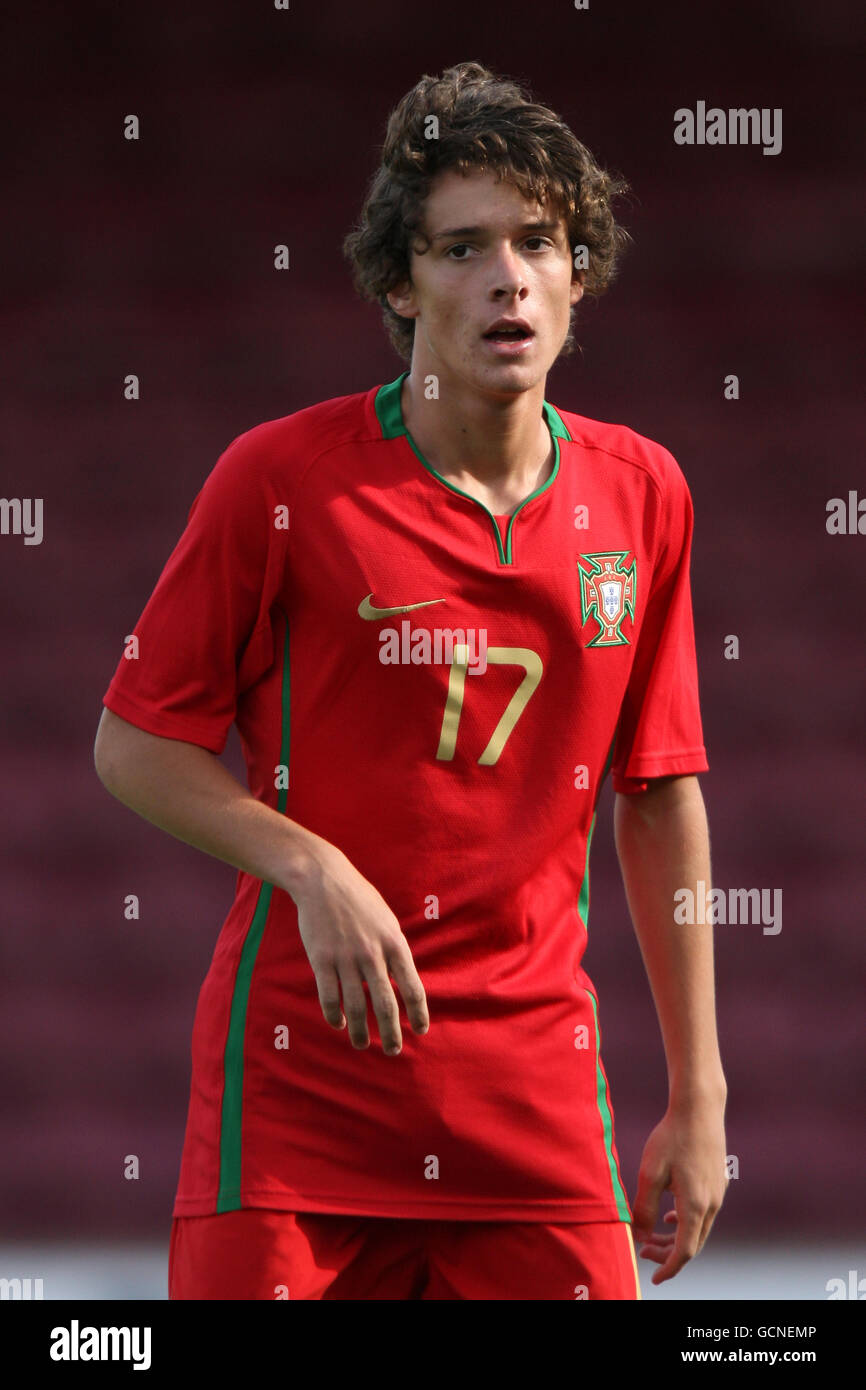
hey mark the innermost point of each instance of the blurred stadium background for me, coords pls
(155, 257)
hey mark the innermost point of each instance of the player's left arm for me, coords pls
(662, 841)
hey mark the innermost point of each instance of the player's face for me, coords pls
(487, 261)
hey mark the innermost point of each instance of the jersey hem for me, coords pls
(165, 726)
(643, 763)
(644, 768)
(279, 1200)
(661, 764)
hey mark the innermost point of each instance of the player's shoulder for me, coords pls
(284, 447)
(631, 452)
(274, 455)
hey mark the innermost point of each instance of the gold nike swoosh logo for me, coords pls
(366, 609)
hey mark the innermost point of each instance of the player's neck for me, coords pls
(499, 451)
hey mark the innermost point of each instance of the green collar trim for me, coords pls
(389, 412)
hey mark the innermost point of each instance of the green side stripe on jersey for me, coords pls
(229, 1195)
(609, 757)
(390, 415)
(583, 900)
(601, 1094)
(607, 1122)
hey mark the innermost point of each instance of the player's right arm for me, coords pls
(348, 931)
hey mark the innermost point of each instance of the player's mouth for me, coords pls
(509, 337)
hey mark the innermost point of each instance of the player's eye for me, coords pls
(464, 246)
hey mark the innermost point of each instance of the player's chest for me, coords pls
(418, 564)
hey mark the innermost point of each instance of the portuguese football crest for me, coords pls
(607, 594)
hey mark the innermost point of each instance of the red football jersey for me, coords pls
(440, 694)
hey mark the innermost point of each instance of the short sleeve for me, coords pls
(206, 633)
(659, 731)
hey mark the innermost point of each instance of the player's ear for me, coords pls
(576, 292)
(402, 300)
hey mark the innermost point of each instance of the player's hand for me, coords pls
(351, 935)
(684, 1154)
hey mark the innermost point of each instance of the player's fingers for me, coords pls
(402, 967)
(658, 1245)
(354, 1002)
(328, 987)
(645, 1207)
(712, 1213)
(656, 1253)
(384, 1003)
(664, 1240)
(685, 1243)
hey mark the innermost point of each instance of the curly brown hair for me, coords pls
(484, 122)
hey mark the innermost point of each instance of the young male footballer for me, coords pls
(440, 611)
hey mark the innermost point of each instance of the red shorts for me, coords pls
(257, 1253)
